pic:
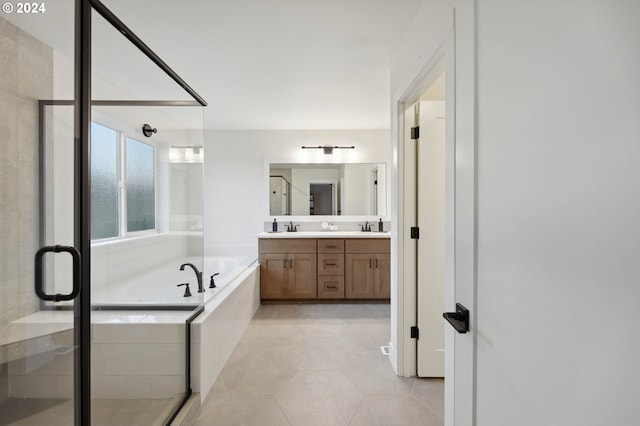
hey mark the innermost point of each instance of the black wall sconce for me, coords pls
(328, 149)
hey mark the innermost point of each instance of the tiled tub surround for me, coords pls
(142, 270)
(158, 286)
(135, 354)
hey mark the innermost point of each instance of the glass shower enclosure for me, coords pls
(102, 230)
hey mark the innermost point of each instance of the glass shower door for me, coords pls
(146, 230)
(39, 264)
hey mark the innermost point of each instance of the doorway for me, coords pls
(430, 181)
(322, 199)
(426, 194)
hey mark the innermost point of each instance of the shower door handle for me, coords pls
(75, 255)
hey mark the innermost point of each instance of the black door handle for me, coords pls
(458, 319)
(76, 273)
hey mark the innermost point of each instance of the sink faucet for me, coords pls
(291, 227)
(198, 275)
(366, 227)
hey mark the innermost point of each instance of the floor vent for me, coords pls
(385, 350)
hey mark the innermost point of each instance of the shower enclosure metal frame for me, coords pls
(82, 184)
(196, 308)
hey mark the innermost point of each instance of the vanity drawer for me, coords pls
(331, 287)
(287, 245)
(368, 245)
(330, 264)
(330, 246)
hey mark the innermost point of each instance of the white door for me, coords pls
(431, 244)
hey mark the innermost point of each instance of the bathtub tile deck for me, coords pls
(313, 364)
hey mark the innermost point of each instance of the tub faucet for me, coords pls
(198, 275)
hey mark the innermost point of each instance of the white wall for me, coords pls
(236, 180)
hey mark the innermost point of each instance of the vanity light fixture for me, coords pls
(328, 149)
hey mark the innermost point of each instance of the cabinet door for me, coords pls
(359, 276)
(381, 276)
(302, 276)
(274, 274)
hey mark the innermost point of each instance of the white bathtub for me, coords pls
(140, 354)
(158, 286)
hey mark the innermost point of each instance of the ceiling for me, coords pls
(275, 64)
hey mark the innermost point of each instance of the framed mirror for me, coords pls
(335, 189)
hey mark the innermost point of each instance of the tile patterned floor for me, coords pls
(319, 365)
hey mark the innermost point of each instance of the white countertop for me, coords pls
(324, 234)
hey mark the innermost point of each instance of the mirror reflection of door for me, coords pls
(321, 199)
(279, 196)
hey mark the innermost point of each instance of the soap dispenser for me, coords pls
(380, 226)
(274, 226)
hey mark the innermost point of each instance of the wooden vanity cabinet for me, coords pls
(367, 269)
(288, 269)
(300, 268)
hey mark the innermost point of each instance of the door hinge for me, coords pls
(415, 332)
(415, 233)
(415, 133)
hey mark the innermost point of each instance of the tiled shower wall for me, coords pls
(26, 75)
(26, 70)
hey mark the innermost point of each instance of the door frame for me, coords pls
(442, 61)
(334, 191)
(456, 56)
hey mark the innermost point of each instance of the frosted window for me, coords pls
(140, 186)
(104, 182)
